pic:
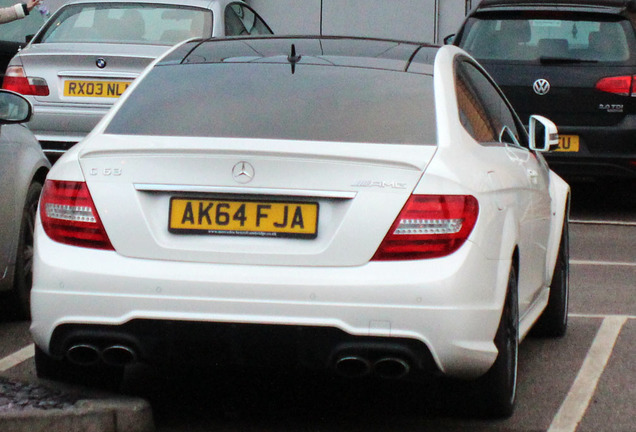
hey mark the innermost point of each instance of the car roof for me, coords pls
(328, 50)
(607, 6)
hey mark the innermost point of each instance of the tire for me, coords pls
(100, 376)
(20, 296)
(553, 322)
(498, 388)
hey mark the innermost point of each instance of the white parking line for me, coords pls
(602, 263)
(578, 399)
(602, 222)
(17, 357)
(600, 316)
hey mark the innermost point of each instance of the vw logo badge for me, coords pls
(541, 87)
(101, 63)
(243, 172)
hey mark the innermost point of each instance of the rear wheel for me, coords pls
(554, 320)
(21, 294)
(498, 387)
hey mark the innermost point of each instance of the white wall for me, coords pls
(393, 19)
(452, 13)
(290, 17)
(419, 20)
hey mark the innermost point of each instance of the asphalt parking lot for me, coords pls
(585, 382)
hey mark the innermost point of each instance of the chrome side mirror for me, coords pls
(543, 134)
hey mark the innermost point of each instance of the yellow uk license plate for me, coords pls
(243, 218)
(109, 89)
(568, 143)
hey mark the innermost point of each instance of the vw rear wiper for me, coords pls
(564, 60)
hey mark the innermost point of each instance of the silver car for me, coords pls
(89, 52)
(23, 168)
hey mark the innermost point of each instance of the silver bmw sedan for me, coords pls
(89, 52)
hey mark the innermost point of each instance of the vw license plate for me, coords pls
(109, 89)
(243, 218)
(568, 143)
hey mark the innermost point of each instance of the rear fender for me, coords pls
(560, 210)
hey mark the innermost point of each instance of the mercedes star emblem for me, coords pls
(243, 172)
(541, 87)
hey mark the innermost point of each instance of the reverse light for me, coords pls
(69, 216)
(429, 226)
(620, 85)
(15, 79)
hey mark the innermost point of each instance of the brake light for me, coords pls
(69, 216)
(429, 226)
(16, 80)
(620, 85)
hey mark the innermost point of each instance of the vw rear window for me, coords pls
(127, 23)
(545, 38)
(274, 101)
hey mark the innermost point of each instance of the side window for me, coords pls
(242, 21)
(482, 110)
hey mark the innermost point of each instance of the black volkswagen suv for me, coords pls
(573, 61)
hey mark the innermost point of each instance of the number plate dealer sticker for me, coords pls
(109, 89)
(568, 143)
(243, 218)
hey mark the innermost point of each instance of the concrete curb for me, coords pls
(113, 415)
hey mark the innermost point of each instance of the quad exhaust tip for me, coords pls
(118, 355)
(83, 354)
(90, 355)
(353, 366)
(391, 368)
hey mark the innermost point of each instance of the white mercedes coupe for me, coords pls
(371, 207)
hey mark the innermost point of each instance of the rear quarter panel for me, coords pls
(560, 195)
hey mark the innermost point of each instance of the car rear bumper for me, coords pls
(577, 167)
(58, 126)
(608, 151)
(435, 313)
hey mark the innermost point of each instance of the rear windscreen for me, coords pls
(543, 37)
(276, 101)
(153, 24)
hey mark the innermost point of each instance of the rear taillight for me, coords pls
(16, 80)
(69, 216)
(621, 85)
(429, 226)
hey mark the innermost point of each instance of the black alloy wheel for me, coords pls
(498, 387)
(23, 280)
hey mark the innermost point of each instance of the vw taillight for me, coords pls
(429, 226)
(69, 216)
(16, 80)
(621, 85)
